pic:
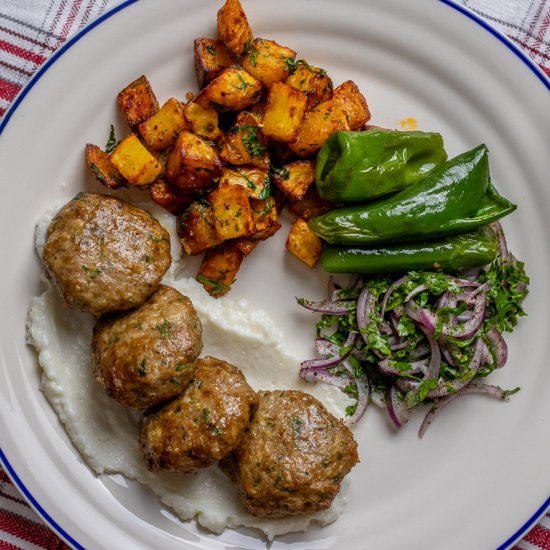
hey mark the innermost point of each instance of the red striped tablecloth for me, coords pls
(31, 30)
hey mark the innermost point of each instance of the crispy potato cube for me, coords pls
(168, 196)
(314, 82)
(353, 103)
(265, 217)
(252, 178)
(233, 27)
(284, 112)
(294, 179)
(232, 90)
(162, 129)
(268, 61)
(211, 58)
(303, 243)
(318, 125)
(203, 120)
(310, 205)
(219, 268)
(102, 169)
(245, 244)
(233, 216)
(137, 102)
(134, 162)
(244, 143)
(193, 163)
(196, 228)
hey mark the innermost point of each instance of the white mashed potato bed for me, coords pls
(106, 434)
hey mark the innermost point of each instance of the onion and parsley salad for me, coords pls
(433, 285)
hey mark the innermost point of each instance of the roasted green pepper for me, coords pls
(363, 166)
(455, 197)
(451, 254)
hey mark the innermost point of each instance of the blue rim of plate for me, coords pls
(538, 73)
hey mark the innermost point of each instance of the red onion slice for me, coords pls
(389, 292)
(365, 304)
(334, 356)
(489, 389)
(476, 361)
(424, 317)
(310, 375)
(497, 347)
(468, 329)
(341, 307)
(397, 409)
(434, 365)
(363, 395)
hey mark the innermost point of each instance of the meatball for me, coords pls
(104, 254)
(203, 424)
(147, 356)
(293, 456)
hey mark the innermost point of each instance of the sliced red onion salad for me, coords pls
(422, 337)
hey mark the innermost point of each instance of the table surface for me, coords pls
(31, 30)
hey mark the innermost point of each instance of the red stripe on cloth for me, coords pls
(8, 546)
(532, 50)
(4, 476)
(26, 38)
(22, 52)
(538, 536)
(57, 16)
(8, 90)
(67, 27)
(29, 531)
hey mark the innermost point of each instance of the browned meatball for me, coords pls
(292, 458)
(104, 254)
(203, 424)
(147, 356)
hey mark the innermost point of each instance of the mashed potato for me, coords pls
(106, 434)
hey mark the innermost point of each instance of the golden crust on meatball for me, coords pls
(147, 356)
(203, 424)
(104, 254)
(293, 456)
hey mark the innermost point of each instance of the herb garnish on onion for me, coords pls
(423, 337)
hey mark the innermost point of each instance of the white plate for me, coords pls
(480, 477)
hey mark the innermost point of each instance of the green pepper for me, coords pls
(363, 166)
(454, 197)
(451, 254)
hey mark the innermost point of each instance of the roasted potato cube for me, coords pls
(318, 125)
(232, 213)
(268, 61)
(196, 228)
(245, 244)
(255, 180)
(232, 90)
(162, 129)
(353, 103)
(219, 268)
(211, 58)
(310, 205)
(284, 112)
(233, 27)
(265, 217)
(303, 243)
(244, 143)
(193, 163)
(102, 169)
(203, 120)
(314, 82)
(134, 162)
(168, 196)
(137, 102)
(294, 179)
